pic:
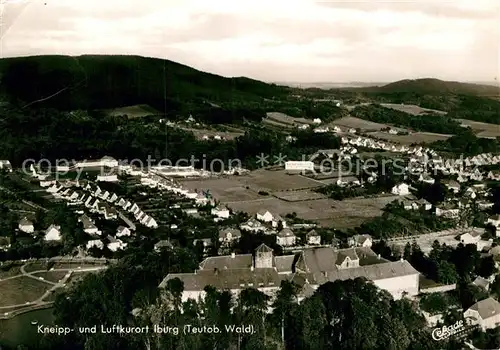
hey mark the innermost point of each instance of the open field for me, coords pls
(136, 111)
(200, 133)
(286, 119)
(224, 189)
(290, 193)
(297, 196)
(278, 180)
(417, 137)
(326, 212)
(488, 134)
(353, 122)
(411, 109)
(52, 276)
(485, 130)
(21, 290)
(277, 124)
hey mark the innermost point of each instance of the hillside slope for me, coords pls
(429, 86)
(93, 81)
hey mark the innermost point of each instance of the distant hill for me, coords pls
(108, 81)
(429, 86)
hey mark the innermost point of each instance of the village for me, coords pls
(305, 236)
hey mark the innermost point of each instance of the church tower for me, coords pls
(263, 257)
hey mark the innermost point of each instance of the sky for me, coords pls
(271, 40)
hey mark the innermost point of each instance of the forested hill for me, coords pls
(429, 86)
(107, 81)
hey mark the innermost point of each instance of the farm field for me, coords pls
(353, 122)
(21, 290)
(224, 189)
(297, 196)
(483, 129)
(290, 193)
(411, 109)
(136, 111)
(417, 137)
(286, 119)
(277, 124)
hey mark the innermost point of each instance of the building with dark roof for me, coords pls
(309, 269)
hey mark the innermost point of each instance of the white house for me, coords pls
(299, 165)
(313, 238)
(317, 121)
(401, 190)
(123, 231)
(485, 313)
(470, 237)
(361, 241)
(115, 244)
(253, 225)
(95, 243)
(221, 212)
(53, 233)
(229, 235)
(26, 225)
(285, 238)
(494, 220)
(5, 164)
(265, 216)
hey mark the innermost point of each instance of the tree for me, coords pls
(486, 267)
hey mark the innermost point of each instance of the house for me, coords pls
(123, 231)
(308, 269)
(53, 233)
(162, 245)
(410, 205)
(494, 220)
(26, 225)
(313, 238)
(5, 165)
(265, 216)
(97, 243)
(482, 282)
(317, 121)
(401, 190)
(448, 210)
(472, 237)
(4, 243)
(426, 179)
(205, 243)
(299, 166)
(221, 212)
(253, 226)
(361, 241)
(228, 235)
(423, 204)
(115, 244)
(107, 178)
(88, 226)
(285, 238)
(485, 313)
(452, 185)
